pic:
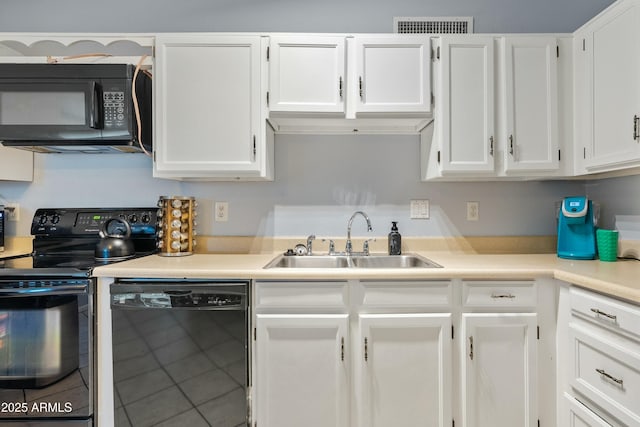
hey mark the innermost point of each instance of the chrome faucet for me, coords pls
(349, 247)
(310, 240)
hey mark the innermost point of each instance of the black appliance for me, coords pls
(71, 108)
(180, 352)
(47, 322)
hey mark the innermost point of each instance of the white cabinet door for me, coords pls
(615, 66)
(499, 370)
(465, 116)
(15, 164)
(404, 370)
(301, 370)
(209, 107)
(307, 73)
(531, 101)
(392, 74)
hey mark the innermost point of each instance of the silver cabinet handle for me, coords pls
(340, 87)
(609, 376)
(636, 136)
(511, 145)
(491, 145)
(471, 347)
(498, 296)
(360, 86)
(602, 313)
(342, 349)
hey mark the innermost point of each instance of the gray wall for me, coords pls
(515, 16)
(320, 181)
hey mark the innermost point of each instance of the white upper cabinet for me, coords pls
(307, 73)
(464, 139)
(15, 165)
(531, 101)
(611, 43)
(496, 109)
(349, 74)
(210, 108)
(392, 74)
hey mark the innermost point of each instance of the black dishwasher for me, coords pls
(180, 352)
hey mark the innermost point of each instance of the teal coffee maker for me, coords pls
(576, 229)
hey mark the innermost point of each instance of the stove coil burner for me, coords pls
(176, 225)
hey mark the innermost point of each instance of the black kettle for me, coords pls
(115, 243)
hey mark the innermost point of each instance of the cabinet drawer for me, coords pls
(617, 315)
(406, 294)
(499, 295)
(303, 295)
(607, 372)
(581, 416)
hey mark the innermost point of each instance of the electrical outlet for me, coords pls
(473, 211)
(13, 211)
(221, 210)
(419, 209)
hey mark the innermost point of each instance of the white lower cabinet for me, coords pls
(499, 370)
(581, 416)
(603, 367)
(301, 371)
(404, 370)
(400, 353)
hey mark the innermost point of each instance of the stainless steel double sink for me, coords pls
(352, 261)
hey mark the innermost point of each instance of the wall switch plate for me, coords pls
(12, 211)
(221, 211)
(419, 209)
(473, 211)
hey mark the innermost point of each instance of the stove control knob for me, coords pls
(42, 220)
(146, 218)
(133, 218)
(55, 219)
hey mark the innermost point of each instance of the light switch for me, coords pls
(419, 209)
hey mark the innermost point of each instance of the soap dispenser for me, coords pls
(395, 240)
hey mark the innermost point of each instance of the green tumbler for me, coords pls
(607, 241)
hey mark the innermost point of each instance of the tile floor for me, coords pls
(179, 368)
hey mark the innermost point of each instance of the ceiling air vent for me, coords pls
(433, 25)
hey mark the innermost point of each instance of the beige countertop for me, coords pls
(619, 279)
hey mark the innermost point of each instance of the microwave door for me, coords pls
(50, 110)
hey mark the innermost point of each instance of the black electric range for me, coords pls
(65, 239)
(47, 317)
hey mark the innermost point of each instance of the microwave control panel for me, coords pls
(114, 109)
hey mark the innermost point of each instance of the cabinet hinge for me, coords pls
(268, 52)
(538, 332)
(559, 155)
(557, 51)
(438, 157)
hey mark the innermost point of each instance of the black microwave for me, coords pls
(71, 108)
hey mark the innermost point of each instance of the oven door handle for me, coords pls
(56, 290)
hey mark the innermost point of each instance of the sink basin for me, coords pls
(393, 261)
(356, 261)
(313, 261)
